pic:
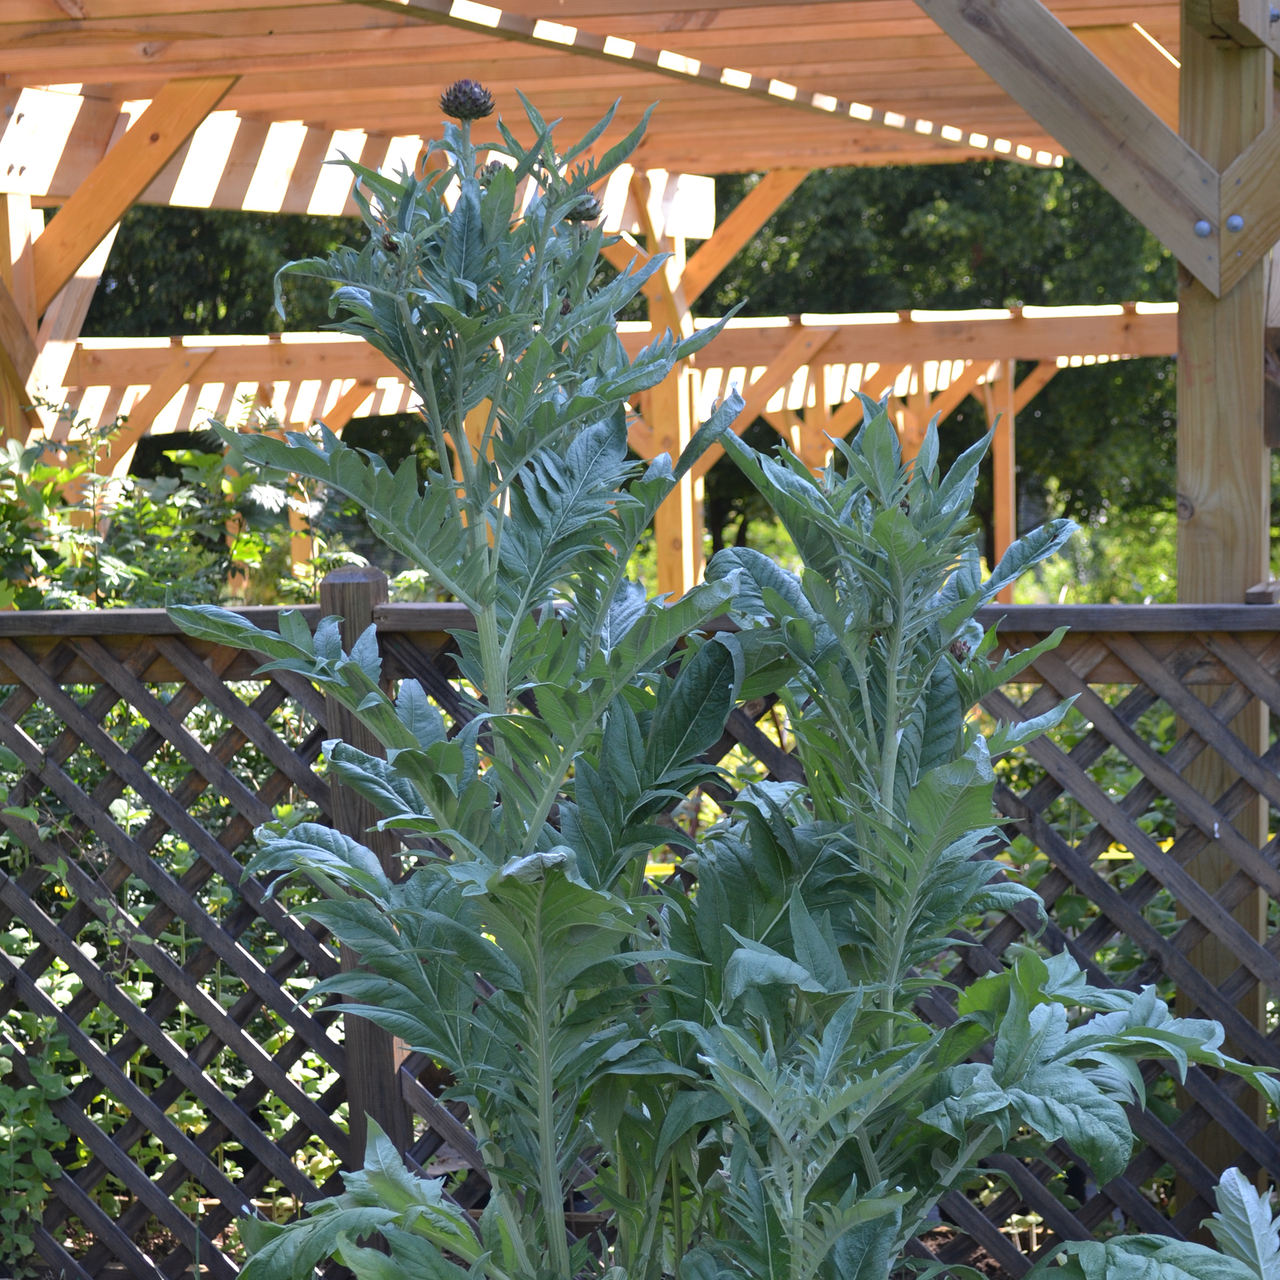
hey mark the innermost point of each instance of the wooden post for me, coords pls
(373, 1087)
(1004, 472)
(1223, 465)
(17, 272)
(674, 531)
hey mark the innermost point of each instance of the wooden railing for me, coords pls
(135, 952)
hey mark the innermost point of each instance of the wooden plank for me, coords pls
(1156, 175)
(945, 403)
(214, 690)
(1242, 22)
(17, 345)
(1196, 807)
(737, 229)
(1133, 57)
(443, 1121)
(125, 1091)
(1223, 500)
(970, 1219)
(184, 366)
(1041, 619)
(781, 764)
(163, 805)
(888, 341)
(504, 24)
(1250, 189)
(1000, 403)
(153, 1037)
(675, 527)
(347, 403)
(803, 347)
(1033, 384)
(160, 719)
(1191, 895)
(1130, 921)
(120, 178)
(65, 316)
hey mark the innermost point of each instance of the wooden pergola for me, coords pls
(231, 104)
(801, 374)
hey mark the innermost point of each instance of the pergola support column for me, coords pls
(1224, 472)
(17, 314)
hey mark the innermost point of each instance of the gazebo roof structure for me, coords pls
(739, 86)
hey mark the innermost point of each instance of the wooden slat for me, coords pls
(249, 722)
(1190, 801)
(805, 346)
(1131, 921)
(120, 178)
(120, 844)
(739, 226)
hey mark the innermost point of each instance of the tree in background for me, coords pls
(189, 271)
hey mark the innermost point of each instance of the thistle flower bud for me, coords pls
(588, 209)
(488, 172)
(466, 100)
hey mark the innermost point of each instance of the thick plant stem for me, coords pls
(549, 1188)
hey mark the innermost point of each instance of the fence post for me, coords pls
(373, 1086)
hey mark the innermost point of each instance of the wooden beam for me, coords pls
(184, 364)
(16, 244)
(1138, 60)
(739, 226)
(1249, 189)
(17, 346)
(804, 347)
(664, 286)
(1034, 382)
(1244, 23)
(345, 407)
(1001, 406)
(891, 343)
(946, 402)
(675, 531)
(1160, 178)
(120, 178)
(624, 252)
(1223, 478)
(504, 24)
(60, 328)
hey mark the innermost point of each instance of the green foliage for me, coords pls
(194, 271)
(740, 1056)
(987, 233)
(1247, 1233)
(28, 1129)
(72, 539)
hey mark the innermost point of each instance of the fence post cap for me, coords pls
(354, 573)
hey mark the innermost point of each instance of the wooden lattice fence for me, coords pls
(137, 958)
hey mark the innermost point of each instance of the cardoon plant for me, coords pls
(733, 1068)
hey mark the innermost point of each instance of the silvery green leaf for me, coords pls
(1244, 1225)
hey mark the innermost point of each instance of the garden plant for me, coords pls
(731, 1065)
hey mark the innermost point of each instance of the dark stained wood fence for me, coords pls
(163, 982)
